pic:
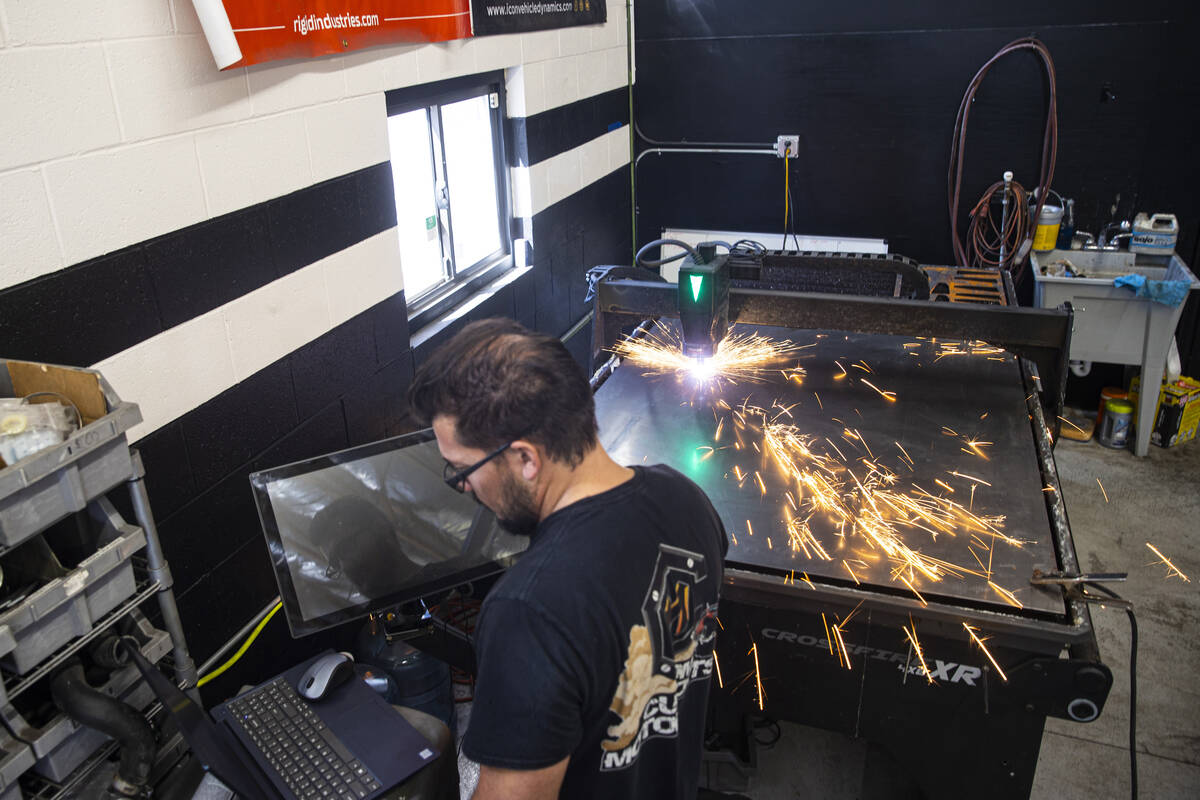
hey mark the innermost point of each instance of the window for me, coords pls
(451, 188)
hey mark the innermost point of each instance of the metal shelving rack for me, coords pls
(73, 610)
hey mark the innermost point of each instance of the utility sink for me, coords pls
(1105, 264)
(1112, 324)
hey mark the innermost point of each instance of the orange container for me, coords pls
(1106, 394)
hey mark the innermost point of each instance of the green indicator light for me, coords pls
(697, 282)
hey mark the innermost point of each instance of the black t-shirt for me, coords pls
(598, 643)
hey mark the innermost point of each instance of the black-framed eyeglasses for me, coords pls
(458, 480)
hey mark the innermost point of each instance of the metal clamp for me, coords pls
(1074, 585)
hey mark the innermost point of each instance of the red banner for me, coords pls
(269, 30)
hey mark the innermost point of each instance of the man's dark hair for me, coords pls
(501, 381)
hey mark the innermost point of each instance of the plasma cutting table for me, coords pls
(949, 676)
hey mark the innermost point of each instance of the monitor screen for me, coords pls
(364, 529)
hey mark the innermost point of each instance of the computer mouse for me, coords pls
(324, 675)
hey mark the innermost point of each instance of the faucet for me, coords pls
(1112, 243)
(1086, 241)
(1104, 243)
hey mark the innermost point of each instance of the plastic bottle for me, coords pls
(1066, 232)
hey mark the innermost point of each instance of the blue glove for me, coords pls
(1169, 293)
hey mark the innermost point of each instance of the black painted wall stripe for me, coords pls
(556, 130)
(92, 310)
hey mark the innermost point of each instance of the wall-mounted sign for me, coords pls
(515, 16)
(245, 32)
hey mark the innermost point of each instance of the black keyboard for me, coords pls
(304, 753)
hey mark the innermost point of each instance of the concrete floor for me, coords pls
(1156, 499)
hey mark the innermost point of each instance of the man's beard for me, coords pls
(517, 513)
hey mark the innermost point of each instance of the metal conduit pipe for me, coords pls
(770, 151)
(685, 143)
(665, 150)
(86, 705)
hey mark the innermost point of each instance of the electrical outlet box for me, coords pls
(787, 146)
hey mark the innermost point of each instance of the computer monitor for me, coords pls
(368, 528)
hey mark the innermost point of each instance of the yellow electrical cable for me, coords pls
(787, 192)
(245, 646)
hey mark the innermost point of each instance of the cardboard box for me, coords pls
(1177, 415)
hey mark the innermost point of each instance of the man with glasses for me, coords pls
(595, 650)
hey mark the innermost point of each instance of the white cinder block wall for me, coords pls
(116, 127)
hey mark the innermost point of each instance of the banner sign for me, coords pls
(269, 30)
(517, 16)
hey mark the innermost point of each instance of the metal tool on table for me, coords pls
(1074, 584)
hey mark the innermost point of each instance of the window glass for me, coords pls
(416, 204)
(471, 173)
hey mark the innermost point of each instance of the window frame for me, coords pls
(465, 282)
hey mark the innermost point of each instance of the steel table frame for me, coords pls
(971, 732)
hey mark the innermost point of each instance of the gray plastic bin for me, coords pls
(48, 485)
(15, 758)
(65, 607)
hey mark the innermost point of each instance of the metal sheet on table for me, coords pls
(664, 419)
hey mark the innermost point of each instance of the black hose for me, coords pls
(688, 249)
(93, 708)
(1133, 646)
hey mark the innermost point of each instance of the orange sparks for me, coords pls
(738, 357)
(1072, 424)
(1101, 485)
(804, 575)
(720, 426)
(971, 478)
(749, 528)
(986, 652)
(717, 664)
(762, 487)
(1008, 596)
(1172, 570)
(850, 616)
(944, 485)
(843, 373)
(976, 446)
(971, 550)
(889, 396)
(819, 403)
(758, 676)
(828, 637)
(769, 545)
(913, 589)
(843, 654)
(852, 575)
(911, 634)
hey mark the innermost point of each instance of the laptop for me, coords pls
(355, 744)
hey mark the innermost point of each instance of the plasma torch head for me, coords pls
(704, 302)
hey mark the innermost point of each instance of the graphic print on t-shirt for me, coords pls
(666, 655)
